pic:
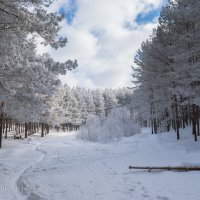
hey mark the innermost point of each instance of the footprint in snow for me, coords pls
(145, 195)
(162, 198)
(131, 190)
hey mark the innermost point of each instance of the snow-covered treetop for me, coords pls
(31, 17)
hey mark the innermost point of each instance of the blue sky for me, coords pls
(104, 36)
(72, 8)
(69, 11)
(148, 17)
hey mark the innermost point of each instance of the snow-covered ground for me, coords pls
(59, 167)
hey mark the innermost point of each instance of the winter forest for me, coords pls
(60, 141)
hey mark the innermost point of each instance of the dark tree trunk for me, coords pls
(194, 122)
(19, 128)
(197, 118)
(9, 125)
(177, 118)
(1, 128)
(155, 126)
(47, 129)
(6, 131)
(3, 121)
(42, 130)
(26, 130)
(1, 124)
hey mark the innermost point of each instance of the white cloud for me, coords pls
(101, 41)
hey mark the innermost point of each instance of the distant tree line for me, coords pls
(71, 106)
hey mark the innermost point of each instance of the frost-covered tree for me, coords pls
(89, 100)
(168, 72)
(78, 103)
(31, 17)
(110, 100)
(28, 80)
(99, 102)
(79, 94)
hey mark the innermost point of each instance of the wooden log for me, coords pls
(168, 168)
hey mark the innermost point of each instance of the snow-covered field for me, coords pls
(59, 167)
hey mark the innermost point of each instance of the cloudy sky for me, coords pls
(103, 35)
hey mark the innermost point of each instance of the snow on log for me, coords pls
(169, 168)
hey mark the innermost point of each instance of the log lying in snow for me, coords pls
(178, 168)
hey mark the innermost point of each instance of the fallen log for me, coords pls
(168, 168)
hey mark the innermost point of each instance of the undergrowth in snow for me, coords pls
(117, 124)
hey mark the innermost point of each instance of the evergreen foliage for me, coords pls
(167, 73)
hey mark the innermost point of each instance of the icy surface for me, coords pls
(59, 167)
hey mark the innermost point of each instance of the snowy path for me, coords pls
(59, 167)
(21, 183)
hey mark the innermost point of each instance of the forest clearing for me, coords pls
(61, 167)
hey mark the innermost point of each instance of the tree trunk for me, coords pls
(197, 118)
(155, 126)
(6, 131)
(177, 118)
(26, 130)
(1, 124)
(194, 122)
(1, 128)
(47, 129)
(42, 130)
